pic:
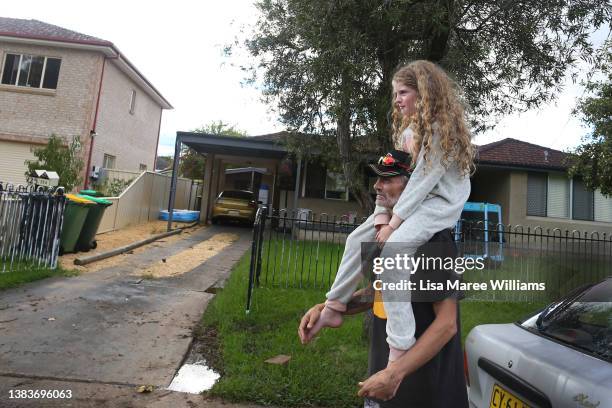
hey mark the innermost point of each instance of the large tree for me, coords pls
(327, 64)
(592, 160)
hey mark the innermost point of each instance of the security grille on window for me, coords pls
(536, 194)
(109, 161)
(335, 186)
(603, 207)
(31, 71)
(582, 202)
(558, 196)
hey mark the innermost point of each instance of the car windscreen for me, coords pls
(241, 195)
(584, 323)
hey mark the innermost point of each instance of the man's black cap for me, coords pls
(394, 163)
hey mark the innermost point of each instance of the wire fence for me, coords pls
(298, 249)
(30, 227)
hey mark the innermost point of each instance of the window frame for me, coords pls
(43, 74)
(346, 189)
(106, 159)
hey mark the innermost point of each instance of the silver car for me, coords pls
(560, 357)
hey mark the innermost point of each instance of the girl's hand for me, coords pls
(384, 233)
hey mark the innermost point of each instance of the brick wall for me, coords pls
(29, 114)
(117, 128)
(67, 111)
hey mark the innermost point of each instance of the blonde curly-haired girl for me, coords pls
(428, 122)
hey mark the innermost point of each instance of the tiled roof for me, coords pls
(271, 137)
(16, 27)
(516, 153)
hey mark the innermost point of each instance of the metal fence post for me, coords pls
(254, 251)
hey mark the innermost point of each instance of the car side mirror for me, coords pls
(259, 202)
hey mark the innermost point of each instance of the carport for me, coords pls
(227, 150)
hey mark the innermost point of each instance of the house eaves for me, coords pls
(107, 48)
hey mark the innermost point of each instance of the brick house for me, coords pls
(530, 183)
(54, 80)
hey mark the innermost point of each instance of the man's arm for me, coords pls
(383, 385)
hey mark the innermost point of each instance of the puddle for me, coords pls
(194, 378)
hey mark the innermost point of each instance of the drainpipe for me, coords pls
(92, 133)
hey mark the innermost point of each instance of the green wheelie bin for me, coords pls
(87, 239)
(75, 213)
(92, 193)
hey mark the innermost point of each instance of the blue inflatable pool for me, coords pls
(180, 215)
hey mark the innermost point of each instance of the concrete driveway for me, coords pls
(108, 329)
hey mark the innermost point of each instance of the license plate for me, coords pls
(502, 398)
(236, 213)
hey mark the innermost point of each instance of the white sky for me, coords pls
(178, 47)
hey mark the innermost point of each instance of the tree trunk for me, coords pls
(350, 167)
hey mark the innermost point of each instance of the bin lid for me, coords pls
(79, 200)
(89, 192)
(96, 199)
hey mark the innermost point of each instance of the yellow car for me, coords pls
(238, 205)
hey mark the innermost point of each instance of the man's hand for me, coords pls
(308, 321)
(383, 385)
(384, 233)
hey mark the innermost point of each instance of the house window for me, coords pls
(30, 71)
(335, 186)
(143, 167)
(582, 202)
(537, 194)
(109, 161)
(603, 207)
(315, 181)
(557, 203)
(132, 101)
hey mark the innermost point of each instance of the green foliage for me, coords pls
(220, 128)
(64, 160)
(327, 65)
(592, 160)
(320, 59)
(113, 187)
(26, 272)
(192, 163)
(117, 186)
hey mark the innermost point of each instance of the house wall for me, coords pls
(320, 205)
(12, 168)
(117, 128)
(492, 186)
(33, 114)
(518, 211)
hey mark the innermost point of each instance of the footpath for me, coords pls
(100, 335)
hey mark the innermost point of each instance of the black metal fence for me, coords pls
(298, 249)
(30, 226)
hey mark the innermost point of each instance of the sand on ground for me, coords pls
(114, 239)
(189, 258)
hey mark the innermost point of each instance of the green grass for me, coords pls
(23, 273)
(324, 373)
(304, 263)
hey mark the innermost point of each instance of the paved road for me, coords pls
(107, 330)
